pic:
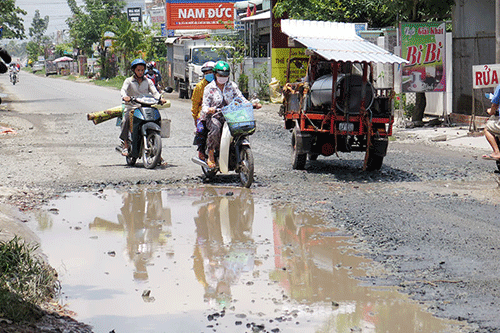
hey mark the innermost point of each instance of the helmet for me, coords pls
(150, 66)
(222, 68)
(153, 64)
(137, 62)
(208, 66)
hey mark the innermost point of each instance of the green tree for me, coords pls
(11, 20)
(128, 41)
(38, 27)
(88, 22)
(39, 42)
(378, 13)
(375, 12)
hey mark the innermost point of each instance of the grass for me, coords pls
(26, 281)
(115, 82)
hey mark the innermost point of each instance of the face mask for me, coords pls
(222, 79)
(209, 77)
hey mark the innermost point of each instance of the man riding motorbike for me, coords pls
(197, 100)
(154, 75)
(218, 93)
(14, 68)
(135, 86)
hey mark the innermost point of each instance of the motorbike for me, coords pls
(13, 78)
(234, 153)
(147, 131)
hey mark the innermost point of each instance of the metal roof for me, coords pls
(260, 16)
(336, 41)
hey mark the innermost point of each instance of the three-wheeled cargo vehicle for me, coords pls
(335, 107)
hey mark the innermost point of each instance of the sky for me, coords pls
(57, 10)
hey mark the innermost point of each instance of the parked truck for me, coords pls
(190, 53)
(336, 106)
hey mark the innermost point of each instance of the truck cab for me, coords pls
(189, 57)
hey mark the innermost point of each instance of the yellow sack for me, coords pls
(100, 116)
(275, 91)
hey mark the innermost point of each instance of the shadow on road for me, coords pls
(352, 171)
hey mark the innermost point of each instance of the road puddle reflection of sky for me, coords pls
(212, 260)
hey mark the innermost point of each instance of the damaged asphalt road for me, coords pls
(430, 215)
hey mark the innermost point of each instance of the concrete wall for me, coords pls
(250, 63)
(473, 44)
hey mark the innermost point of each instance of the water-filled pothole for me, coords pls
(213, 260)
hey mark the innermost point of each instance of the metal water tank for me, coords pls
(321, 92)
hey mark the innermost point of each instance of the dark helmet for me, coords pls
(136, 62)
(222, 68)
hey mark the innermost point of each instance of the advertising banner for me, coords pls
(423, 45)
(280, 57)
(134, 14)
(281, 52)
(485, 76)
(157, 15)
(198, 14)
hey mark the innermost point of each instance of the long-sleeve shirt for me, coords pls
(131, 87)
(214, 97)
(197, 98)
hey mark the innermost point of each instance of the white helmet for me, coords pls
(208, 66)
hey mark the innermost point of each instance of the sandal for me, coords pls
(211, 164)
(490, 157)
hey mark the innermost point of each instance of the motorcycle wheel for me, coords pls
(209, 173)
(245, 169)
(151, 154)
(130, 160)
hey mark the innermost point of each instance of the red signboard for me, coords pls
(485, 76)
(199, 15)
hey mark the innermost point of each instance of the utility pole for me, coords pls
(497, 30)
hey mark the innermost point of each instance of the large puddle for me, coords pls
(213, 260)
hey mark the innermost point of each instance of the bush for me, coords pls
(25, 281)
(260, 75)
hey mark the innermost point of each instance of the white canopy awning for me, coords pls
(260, 16)
(336, 41)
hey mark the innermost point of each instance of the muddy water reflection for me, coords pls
(210, 260)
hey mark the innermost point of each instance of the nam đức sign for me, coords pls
(200, 14)
(485, 76)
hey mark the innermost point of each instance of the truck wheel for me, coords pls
(298, 160)
(312, 157)
(374, 162)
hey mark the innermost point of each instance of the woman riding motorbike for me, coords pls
(135, 86)
(197, 100)
(218, 93)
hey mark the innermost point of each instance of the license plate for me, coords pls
(346, 127)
